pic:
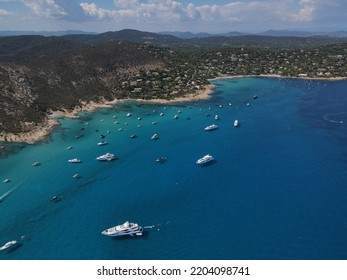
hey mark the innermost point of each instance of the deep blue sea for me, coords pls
(276, 190)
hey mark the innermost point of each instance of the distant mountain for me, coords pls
(44, 33)
(190, 35)
(294, 33)
(26, 47)
(271, 32)
(186, 35)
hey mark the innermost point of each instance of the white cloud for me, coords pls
(235, 11)
(45, 8)
(5, 13)
(156, 15)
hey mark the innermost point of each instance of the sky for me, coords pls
(213, 16)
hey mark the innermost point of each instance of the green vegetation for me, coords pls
(40, 74)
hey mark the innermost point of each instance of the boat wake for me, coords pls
(332, 117)
(156, 226)
(6, 194)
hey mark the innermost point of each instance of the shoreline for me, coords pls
(42, 131)
(279, 77)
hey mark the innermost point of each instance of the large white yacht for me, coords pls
(8, 245)
(211, 127)
(127, 228)
(106, 157)
(205, 159)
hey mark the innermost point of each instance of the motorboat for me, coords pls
(216, 117)
(175, 116)
(236, 123)
(6, 181)
(8, 245)
(55, 198)
(76, 176)
(74, 160)
(133, 136)
(211, 127)
(127, 228)
(106, 157)
(205, 159)
(160, 159)
(37, 163)
(102, 143)
(155, 136)
(128, 115)
(154, 122)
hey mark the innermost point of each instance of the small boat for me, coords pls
(76, 176)
(74, 160)
(102, 136)
(106, 157)
(211, 127)
(255, 96)
(161, 114)
(127, 228)
(55, 198)
(37, 163)
(154, 122)
(236, 123)
(128, 115)
(216, 117)
(8, 245)
(175, 116)
(205, 159)
(160, 159)
(69, 148)
(139, 118)
(133, 136)
(6, 181)
(102, 143)
(155, 136)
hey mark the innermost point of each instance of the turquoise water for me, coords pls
(277, 189)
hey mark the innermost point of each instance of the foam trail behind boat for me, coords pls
(6, 194)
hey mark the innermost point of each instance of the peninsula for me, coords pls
(44, 76)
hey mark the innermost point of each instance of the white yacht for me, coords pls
(236, 123)
(8, 245)
(211, 127)
(74, 160)
(127, 228)
(155, 136)
(205, 159)
(106, 157)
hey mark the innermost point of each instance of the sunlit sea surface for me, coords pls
(277, 188)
